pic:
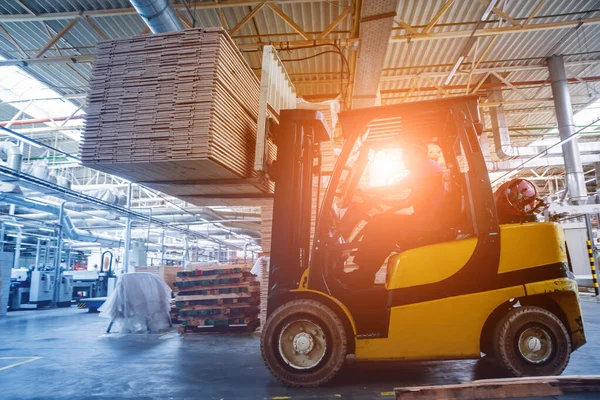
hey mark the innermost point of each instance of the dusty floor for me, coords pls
(64, 354)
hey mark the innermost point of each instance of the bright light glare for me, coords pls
(387, 168)
(16, 84)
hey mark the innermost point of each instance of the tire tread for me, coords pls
(501, 336)
(339, 326)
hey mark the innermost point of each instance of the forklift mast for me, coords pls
(298, 137)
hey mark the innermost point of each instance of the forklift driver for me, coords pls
(388, 230)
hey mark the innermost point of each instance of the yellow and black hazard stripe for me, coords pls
(593, 267)
(82, 305)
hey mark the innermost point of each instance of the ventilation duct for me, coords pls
(564, 117)
(502, 145)
(63, 182)
(68, 228)
(375, 29)
(159, 15)
(14, 157)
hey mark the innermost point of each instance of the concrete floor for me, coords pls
(64, 354)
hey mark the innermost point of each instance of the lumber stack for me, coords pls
(180, 106)
(266, 227)
(329, 109)
(221, 298)
(264, 289)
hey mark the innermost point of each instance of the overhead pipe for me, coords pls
(37, 184)
(159, 15)
(14, 158)
(564, 117)
(68, 227)
(502, 145)
(43, 120)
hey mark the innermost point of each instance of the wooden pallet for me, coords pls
(503, 388)
(217, 296)
(234, 328)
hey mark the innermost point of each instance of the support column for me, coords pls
(162, 249)
(59, 244)
(2, 230)
(127, 232)
(597, 171)
(37, 252)
(564, 117)
(17, 258)
(185, 252)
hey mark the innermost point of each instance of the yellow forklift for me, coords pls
(472, 287)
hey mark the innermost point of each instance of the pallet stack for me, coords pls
(174, 107)
(222, 298)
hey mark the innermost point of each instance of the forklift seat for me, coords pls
(450, 217)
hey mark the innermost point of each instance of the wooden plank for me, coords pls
(476, 391)
(504, 388)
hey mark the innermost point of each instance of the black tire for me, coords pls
(554, 346)
(335, 338)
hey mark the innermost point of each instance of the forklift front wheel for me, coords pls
(531, 341)
(304, 343)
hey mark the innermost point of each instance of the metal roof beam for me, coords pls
(288, 20)
(334, 23)
(132, 11)
(537, 9)
(95, 27)
(501, 13)
(57, 37)
(438, 15)
(247, 18)
(505, 30)
(83, 58)
(482, 70)
(12, 40)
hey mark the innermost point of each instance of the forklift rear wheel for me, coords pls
(531, 341)
(304, 343)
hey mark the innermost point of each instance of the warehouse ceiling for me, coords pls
(319, 42)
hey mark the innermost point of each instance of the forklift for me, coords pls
(470, 287)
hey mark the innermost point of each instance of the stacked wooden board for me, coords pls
(266, 226)
(180, 106)
(264, 289)
(221, 298)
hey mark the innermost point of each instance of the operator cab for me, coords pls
(380, 141)
(379, 164)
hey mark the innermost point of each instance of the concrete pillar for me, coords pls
(57, 256)
(597, 171)
(127, 232)
(566, 128)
